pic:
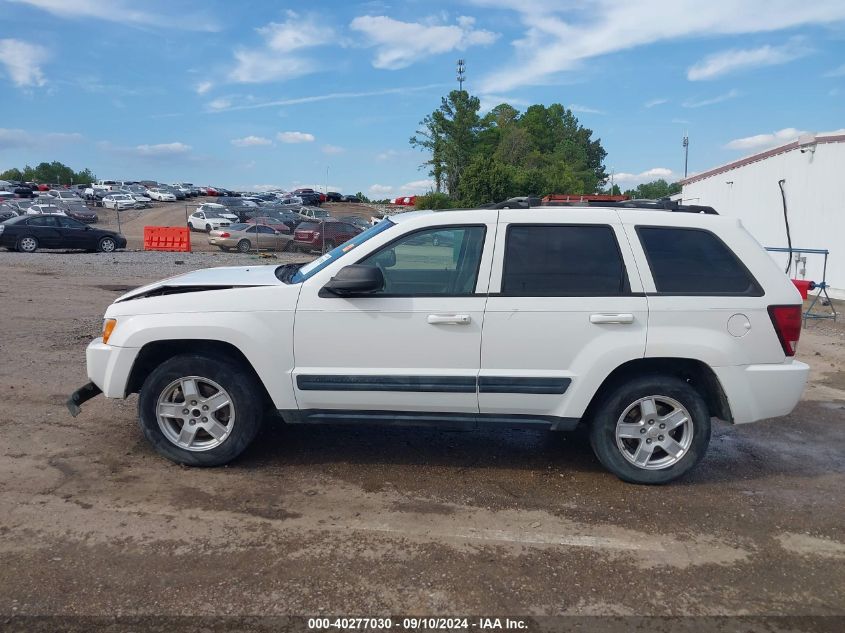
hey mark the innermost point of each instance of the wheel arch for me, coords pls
(697, 373)
(152, 354)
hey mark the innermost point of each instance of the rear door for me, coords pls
(45, 228)
(73, 234)
(566, 308)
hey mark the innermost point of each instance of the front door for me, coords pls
(414, 346)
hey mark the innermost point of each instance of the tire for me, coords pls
(235, 424)
(617, 438)
(208, 228)
(244, 246)
(225, 249)
(106, 245)
(27, 244)
(191, 227)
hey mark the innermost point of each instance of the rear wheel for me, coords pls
(244, 246)
(106, 245)
(651, 430)
(27, 244)
(200, 410)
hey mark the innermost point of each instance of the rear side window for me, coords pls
(562, 261)
(694, 262)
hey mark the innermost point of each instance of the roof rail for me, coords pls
(664, 204)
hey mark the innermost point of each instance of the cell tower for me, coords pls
(686, 153)
(462, 67)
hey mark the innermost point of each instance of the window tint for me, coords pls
(562, 261)
(44, 220)
(694, 261)
(442, 261)
(69, 223)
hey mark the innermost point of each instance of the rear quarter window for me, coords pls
(686, 261)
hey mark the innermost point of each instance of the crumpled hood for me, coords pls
(208, 279)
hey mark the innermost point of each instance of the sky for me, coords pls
(257, 94)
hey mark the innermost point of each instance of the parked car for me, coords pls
(291, 219)
(323, 235)
(294, 203)
(210, 191)
(558, 317)
(162, 195)
(7, 211)
(310, 199)
(44, 209)
(79, 211)
(333, 196)
(119, 201)
(219, 209)
(273, 223)
(29, 233)
(206, 221)
(65, 195)
(350, 199)
(246, 237)
(177, 193)
(312, 213)
(6, 195)
(358, 221)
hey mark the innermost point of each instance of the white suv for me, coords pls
(640, 323)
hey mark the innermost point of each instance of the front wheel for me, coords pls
(651, 430)
(28, 244)
(106, 245)
(208, 228)
(200, 410)
(244, 246)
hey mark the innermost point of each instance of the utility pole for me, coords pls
(461, 73)
(686, 153)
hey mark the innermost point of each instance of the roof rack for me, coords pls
(665, 204)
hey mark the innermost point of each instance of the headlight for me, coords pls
(108, 327)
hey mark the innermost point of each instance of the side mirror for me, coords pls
(354, 279)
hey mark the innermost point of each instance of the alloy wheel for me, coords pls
(195, 413)
(654, 432)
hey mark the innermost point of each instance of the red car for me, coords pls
(273, 223)
(312, 236)
(210, 191)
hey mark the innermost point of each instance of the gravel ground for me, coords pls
(374, 521)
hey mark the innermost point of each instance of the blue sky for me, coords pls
(255, 93)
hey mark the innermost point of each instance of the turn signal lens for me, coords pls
(108, 326)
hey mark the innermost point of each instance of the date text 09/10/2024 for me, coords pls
(417, 623)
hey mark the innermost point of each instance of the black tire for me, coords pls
(288, 247)
(107, 245)
(191, 227)
(618, 399)
(246, 396)
(244, 246)
(27, 244)
(208, 228)
(225, 249)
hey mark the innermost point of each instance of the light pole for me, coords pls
(327, 180)
(686, 153)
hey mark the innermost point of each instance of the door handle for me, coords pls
(449, 319)
(621, 319)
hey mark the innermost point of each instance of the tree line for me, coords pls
(52, 173)
(475, 159)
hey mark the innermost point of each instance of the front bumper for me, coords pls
(759, 392)
(80, 396)
(109, 367)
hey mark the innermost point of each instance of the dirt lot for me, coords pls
(329, 520)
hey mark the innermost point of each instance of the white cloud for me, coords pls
(764, 141)
(118, 11)
(332, 149)
(380, 190)
(836, 72)
(221, 103)
(23, 61)
(416, 187)
(560, 36)
(251, 141)
(584, 109)
(655, 102)
(734, 60)
(273, 61)
(655, 173)
(13, 138)
(328, 97)
(295, 137)
(700, 103)
(161, 150)
(202, 87)
(400, 44)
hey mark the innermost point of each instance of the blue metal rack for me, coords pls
(821, 286)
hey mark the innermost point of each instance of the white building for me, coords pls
(813, 173)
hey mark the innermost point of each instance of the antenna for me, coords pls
(461, 73)
(686, 152)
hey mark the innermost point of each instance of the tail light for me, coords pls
(225, 235)
(787, 322)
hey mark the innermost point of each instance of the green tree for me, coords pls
(654, 190)
(486, 180)
(434, 200)
(51, 173)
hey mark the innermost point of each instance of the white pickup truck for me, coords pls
(640, 323)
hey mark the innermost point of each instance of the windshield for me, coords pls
(312, 268)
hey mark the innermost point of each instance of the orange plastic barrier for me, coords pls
(804, 286)
(167, 238)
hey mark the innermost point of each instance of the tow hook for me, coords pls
(80, 396)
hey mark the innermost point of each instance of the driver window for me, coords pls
(436, 261)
